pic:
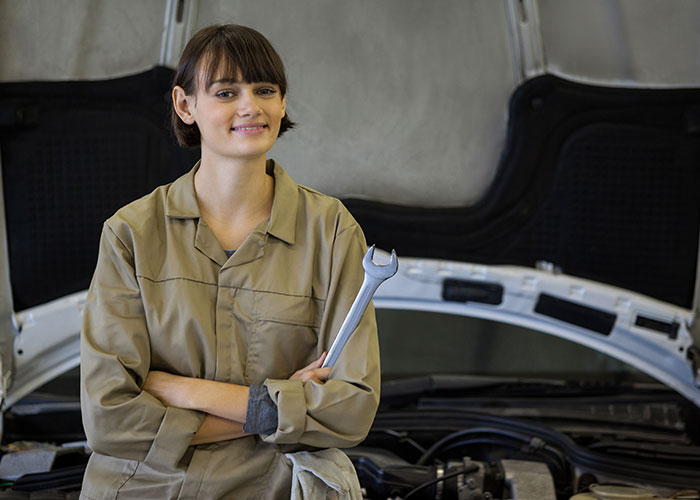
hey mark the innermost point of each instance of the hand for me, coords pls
(166, 387)
(313, 372)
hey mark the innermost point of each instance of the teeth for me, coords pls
(247, 128)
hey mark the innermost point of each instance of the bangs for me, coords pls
(249, 58)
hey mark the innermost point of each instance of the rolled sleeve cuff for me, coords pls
(174, 436)
(290, 399)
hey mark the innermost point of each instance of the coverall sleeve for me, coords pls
(340, 412)
(119, 418)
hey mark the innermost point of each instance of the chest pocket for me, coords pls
(285, 335)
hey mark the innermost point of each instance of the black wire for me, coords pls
(471, 468)
(476, 430)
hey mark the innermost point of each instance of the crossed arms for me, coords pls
(225, 404)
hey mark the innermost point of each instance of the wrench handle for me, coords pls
(369, 286)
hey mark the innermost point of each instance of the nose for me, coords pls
(248, 103)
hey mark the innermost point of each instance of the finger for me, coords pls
(299, 374)
(318, 375)
(319, 362)
(311, 377)
(311, 366)
(314, 365)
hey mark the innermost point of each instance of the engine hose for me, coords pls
(465, 432)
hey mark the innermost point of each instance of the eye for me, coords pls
(225, 94)
(267, 91)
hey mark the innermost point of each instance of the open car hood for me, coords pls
(648, 334)
(589, 230)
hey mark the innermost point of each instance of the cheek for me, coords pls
(277, 114)
(214, 120)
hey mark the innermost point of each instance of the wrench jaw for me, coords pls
(376, 271)
(374, 276)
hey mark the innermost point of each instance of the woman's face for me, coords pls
(236, 119)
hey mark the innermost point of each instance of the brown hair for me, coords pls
(226, 49)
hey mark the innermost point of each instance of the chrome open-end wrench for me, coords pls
(374, 276)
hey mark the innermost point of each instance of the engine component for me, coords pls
(528, 480)
(471, 484)
(386, 475)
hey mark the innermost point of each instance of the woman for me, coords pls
(209, 296)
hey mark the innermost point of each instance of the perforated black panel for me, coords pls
(86, 149)
(616, 212)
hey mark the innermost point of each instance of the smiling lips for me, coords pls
(249, 128)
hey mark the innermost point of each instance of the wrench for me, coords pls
(374, 276)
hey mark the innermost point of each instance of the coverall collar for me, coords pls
(182, 202)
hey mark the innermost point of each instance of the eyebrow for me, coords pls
(227, 81)
(230, 81)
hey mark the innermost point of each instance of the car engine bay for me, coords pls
(438, 449)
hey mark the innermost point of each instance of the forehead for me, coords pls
(205, 81)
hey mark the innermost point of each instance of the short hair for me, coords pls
(231, 49)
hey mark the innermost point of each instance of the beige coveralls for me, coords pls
(166, 297)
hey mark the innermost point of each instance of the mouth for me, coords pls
(249, 128)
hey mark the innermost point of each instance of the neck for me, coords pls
(233, 189)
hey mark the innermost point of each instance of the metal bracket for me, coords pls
(179, 24)
(526, 39)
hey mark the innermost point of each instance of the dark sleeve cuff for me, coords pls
(261, 417)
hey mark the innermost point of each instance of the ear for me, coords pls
(284, 105)
(183, 104)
